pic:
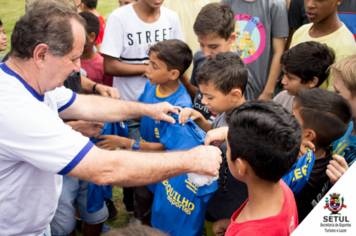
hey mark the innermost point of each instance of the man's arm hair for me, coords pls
(133, 168)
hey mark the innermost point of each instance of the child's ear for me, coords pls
(309, 135)
(174, 74)
(241, 166)
(236, 94)
(232, 38)
(314, 82)
(91, 37)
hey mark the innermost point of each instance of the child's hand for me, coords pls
(220, 227)
(217, 136)
(303, 145)
(336, 168)
(186, 113)
(111, 142)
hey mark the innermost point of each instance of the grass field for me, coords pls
(11, 10)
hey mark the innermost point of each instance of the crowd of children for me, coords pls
(219, 63)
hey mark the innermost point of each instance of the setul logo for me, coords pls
(335, 205)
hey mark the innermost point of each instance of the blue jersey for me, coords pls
(346, 145)
(299, 174)
(179, 206)
(151, 95)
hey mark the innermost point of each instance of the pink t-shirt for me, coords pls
(282, 224)
(95, 70)
(102, 30)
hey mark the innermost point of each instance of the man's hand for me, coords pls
(160, 111)
(186, 113)
(87, 129)
(107, 91)
(220, 227)
(216, 136)
(336, 168)
(205, 160)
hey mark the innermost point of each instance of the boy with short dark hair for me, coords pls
(304, 66)
(326, 27)
(90, 6)
(335, 114)
(91, 61)
(262, 145)
(222, 79)
(215, 34)
(179, 205)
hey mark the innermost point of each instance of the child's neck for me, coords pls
(145, 12)
(238, 103)
(88, 52)
(169, 88)
(326, 26)
(266, 199)
(94, 11)
(319, 153)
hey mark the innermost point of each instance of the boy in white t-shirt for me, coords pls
(130, 30)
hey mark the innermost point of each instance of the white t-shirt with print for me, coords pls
(36, 148)
(128, 38)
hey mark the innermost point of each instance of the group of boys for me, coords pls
(144, 56)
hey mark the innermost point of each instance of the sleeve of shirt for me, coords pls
(64, 97)
(177, 28)
(295, 15)
(36, 135)
(113, 41)
(279, 18)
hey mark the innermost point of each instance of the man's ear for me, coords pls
(40, 54)
(236, 94)
(174, 74)
(314, 82)
(91, 37)
(232, 38)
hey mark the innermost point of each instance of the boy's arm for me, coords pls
(220, 227)
(192, 90)
(114, 67)
(196, 116)
(278, 45)
(103, 90)
(111, 142)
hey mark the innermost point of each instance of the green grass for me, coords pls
(11, 11)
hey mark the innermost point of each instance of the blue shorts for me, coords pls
(74, 191)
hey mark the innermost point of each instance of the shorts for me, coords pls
(74, 191)
(143, 198)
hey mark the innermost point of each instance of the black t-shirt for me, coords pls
(231, 193)
(198, 61)
(315, 189)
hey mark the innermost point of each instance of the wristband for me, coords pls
(94, 91)
(137, 145)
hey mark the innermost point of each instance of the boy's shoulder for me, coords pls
(122, 12)
(285, 100)
(304, 29)
(282, 224)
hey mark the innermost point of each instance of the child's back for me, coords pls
(262, 145)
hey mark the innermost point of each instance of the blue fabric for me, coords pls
(98, 194)
(346, 145)
(179, 98)
(179, 206)
(298, 176)
(349, 19)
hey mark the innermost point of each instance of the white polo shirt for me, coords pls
(36, 148)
